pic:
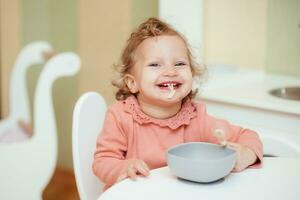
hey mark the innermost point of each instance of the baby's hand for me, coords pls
(245, 156)
(133, 168)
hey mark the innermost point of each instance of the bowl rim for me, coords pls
(206, 143)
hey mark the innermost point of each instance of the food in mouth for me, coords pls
(172, 91)
(171, 86)
(167, 85)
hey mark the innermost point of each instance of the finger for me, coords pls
(142, 169)
(234, 147)
(122, 177)
(234, 170)
(238, 168)
(146, 166)
(132, 173)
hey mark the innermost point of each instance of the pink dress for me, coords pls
(129, 133)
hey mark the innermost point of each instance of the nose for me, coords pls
(170, 70)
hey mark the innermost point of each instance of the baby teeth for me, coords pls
(172, 91)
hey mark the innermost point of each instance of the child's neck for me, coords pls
(160, 112)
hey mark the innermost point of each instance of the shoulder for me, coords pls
(200, 106)
(116, 115)
(120, 112)
(117, 106)
(118, 109)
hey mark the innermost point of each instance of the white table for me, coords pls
(278, 179)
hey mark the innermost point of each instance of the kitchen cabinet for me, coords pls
(242, 97)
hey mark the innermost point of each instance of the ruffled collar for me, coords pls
(183, 117)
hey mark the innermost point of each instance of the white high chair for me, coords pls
(88, 117)
(31, 55)
(26, 167)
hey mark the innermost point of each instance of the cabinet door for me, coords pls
(283, 38)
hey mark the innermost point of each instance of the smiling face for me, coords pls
(160, 63)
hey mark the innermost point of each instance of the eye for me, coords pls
(180, 64)
(153, 65)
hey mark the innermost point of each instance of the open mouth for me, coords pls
(167, 85)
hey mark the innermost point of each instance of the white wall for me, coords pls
(186, 17)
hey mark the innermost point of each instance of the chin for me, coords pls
(171, 101)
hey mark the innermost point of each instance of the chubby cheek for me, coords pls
(147, 80)
(189, 85)
(187, 89)
(188, 77)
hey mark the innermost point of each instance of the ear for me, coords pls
(131, 83)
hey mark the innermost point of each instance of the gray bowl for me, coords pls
(200, 162)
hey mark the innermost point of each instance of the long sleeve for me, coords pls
(129, 133)
(111, 147)
(234, 133)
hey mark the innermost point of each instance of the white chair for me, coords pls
(88, 117)
(26, 167)
(31, 55)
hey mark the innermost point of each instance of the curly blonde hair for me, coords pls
(150, 28)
